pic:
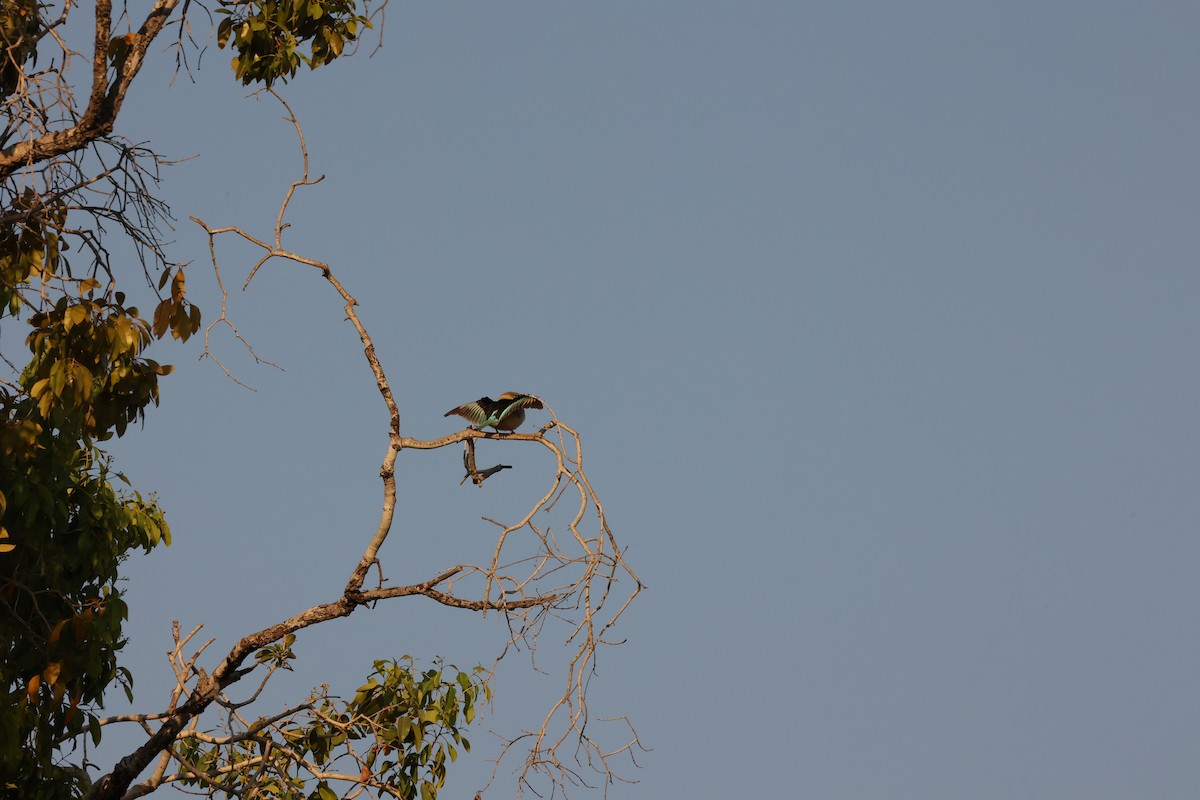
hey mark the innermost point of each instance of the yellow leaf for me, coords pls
(162, 317)
(58, 378)
(125, 339)
(83, 380)
(74, 316)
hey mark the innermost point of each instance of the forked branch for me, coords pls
(569, 569)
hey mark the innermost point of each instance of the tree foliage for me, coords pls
(396, 735)
(63, 525)
(269, 36)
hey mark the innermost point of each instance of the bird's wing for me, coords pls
(520, 401)
(476, 413)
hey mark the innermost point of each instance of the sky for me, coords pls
(879, 324)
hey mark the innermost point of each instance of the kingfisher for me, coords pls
(505, 414)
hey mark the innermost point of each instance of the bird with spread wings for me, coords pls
(505, 414)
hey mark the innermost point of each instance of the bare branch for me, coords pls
(533, 577)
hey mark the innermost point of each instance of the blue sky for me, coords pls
(879, 322)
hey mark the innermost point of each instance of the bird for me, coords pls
(505, 414)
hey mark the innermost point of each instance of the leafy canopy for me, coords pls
(269, 35)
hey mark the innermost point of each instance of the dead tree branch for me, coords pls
(533, 576)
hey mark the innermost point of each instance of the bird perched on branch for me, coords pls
(505, 414)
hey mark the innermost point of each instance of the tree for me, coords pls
(69, 187)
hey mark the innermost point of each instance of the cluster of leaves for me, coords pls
(64, 528)
(269, 35)
(396, 734)
(87, 375)
(20, 29)
(65, 532)
(29, 246)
